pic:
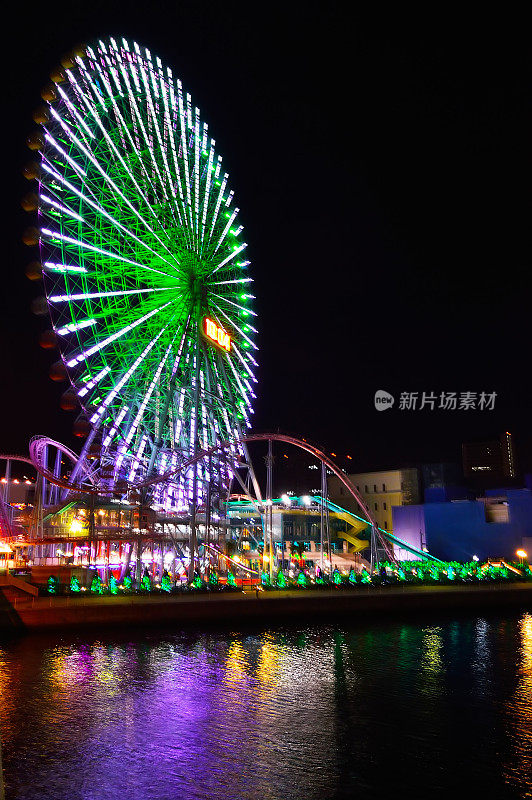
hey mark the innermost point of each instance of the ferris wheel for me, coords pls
(144, 267)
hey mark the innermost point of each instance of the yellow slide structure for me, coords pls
(357, 525)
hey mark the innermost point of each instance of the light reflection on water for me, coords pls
(322, 712)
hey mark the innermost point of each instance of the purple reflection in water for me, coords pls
(316, 713)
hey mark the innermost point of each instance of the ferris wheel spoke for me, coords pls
(245, 365)
(157, 131)
(98, 209)
(90, 384)
(163, 86)
(59, 298)
(243, 391)
(86, 151)
(219, 198)
(243, 309)
(196, 171)
(124, 131)
(125, 378)
(228, 258)
(171, 197)
(226, 230)
(233, 280)
(140, 412)
(60, 207)
(55, 235)
(76, 117)
(207, 191)
(78, 169)
(100, 345)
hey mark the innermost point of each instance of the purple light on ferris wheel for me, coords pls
(123, 231)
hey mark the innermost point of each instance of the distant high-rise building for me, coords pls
(493, 460)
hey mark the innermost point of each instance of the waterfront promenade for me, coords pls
(36, 613)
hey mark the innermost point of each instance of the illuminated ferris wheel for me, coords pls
(144, 268)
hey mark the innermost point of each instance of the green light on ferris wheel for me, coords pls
(136, 209)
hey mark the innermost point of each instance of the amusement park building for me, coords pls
(296, 526)
(381, 491)
(493, 526)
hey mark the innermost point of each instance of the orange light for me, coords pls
(217, 334)
(349, 457)
(334, 455)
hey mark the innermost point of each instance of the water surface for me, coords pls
(375, 710)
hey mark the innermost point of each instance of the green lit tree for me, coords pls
(302, 579)
(145, 583)
(74, 584)
(231, 580)
(51, 585)
(197, 583)
(166, 583)
(281, 580)
(96, 585)
(352, 576)
(113, 585)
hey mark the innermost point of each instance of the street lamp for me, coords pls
(475, 558)
(522, 554)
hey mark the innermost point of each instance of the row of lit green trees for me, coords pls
(414, 573)
(114, 587)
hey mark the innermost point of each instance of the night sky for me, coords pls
(383, 173)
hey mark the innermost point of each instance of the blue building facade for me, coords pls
(493, 526)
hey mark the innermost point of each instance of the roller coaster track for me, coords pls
(38, 447)
(6, 526)
(39, 444)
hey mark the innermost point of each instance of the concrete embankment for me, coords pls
(73, 612)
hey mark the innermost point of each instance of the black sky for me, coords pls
(383, 173)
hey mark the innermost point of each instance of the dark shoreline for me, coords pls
(62, 613)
